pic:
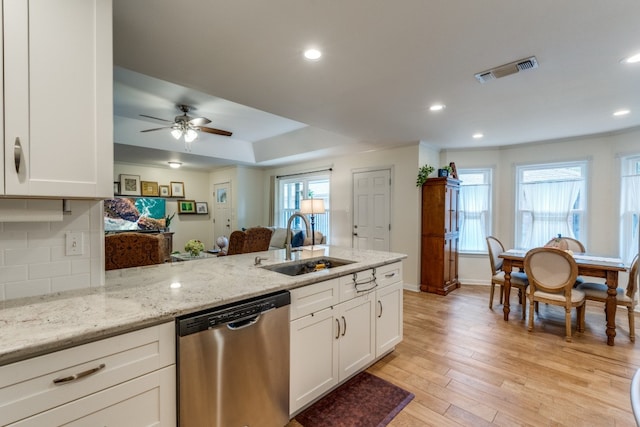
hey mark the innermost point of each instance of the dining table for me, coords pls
(591, 265)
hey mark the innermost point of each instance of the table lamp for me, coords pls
(312, 207)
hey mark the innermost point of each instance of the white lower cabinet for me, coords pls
(331, 341)
(128, 379)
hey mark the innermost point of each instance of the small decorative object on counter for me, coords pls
(423, 174)
(222, 242)
(194, 247)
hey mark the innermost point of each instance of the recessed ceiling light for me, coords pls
(312, 54)
(633, 59)
(477, 135)
(621, 113)
(175, 165)
(437, 107)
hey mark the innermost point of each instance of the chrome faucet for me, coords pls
(258, 260)
(287, 244)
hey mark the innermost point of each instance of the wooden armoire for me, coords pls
(439, 236)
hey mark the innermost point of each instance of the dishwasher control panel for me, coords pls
(202, 321)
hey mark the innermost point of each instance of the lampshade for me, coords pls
(312, 206)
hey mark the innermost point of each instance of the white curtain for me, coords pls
(630, 213)
(474, 209)
(549, 204)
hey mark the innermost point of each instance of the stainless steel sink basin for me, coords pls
(306, 266)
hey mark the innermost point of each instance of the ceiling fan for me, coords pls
(187, 126)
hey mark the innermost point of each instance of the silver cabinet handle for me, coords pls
(66, 380)
(17, 154)
(380, 304)
(338, 334)
(345, 325)
(389, 275)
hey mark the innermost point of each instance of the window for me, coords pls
(629, 207)
(550, 200)
(291, 190)
(474, 209)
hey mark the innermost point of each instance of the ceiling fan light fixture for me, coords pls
(190, 135)
(176, 133)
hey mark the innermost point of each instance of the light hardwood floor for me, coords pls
(467, 366)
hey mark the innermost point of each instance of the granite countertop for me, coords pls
(138, 297)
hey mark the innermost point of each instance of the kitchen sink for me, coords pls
(306, 266)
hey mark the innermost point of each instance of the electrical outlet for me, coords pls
(74, 243)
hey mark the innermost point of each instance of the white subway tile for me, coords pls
(27, 288)
(26, 226)
(49, 269)
(26, 256)
(80, 266)
(13, 239)
(13, 273)
(59, 284)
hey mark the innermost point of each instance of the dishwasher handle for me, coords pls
(243, 323)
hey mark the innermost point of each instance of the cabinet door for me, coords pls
(388, 318)
(58, 101)
(357, 334)
(313, 356)
(145, 401)
(450, 261)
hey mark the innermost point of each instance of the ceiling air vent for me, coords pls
(507, 69)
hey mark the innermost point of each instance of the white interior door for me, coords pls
(221, 210)
(372, 209)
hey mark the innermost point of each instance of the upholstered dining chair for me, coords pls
(518, 279)
(551, 273)
(567, 243)
(635, 396)
(625, 298)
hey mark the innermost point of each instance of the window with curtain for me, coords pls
(293, 189)
(474, 209)
(629, 207)
(550, 201)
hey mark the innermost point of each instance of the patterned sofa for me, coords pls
(131, 249)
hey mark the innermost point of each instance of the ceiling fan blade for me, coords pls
(199, 121)
(215, 131)
(149, 130)
(156, 118)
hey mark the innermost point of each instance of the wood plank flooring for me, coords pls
(467, 366)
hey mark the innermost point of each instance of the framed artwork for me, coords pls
(164, 191)
(177, 189)
(129, 185)
(116, 188)
(149, 188)
(186, 206)
(202, 208)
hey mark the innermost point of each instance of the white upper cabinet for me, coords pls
(58, 98)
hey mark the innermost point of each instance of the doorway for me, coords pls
(221, 210)
(372, 210)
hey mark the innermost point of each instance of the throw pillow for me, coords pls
(298, 239)
(319, 236)
(278, 238)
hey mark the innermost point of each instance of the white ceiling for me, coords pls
(240, 64)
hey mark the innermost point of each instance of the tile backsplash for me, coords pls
(33, 258)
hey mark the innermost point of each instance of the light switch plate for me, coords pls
(74, 243)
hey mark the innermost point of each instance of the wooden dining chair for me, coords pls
(635, 396)
(552, 273)
(569, 243)
(625, 297)
(518, 279)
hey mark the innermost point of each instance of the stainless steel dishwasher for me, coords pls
(233, 364)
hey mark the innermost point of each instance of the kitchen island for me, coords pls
(139, 297)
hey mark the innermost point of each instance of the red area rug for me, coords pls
(365, 400)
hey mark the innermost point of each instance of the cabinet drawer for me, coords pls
(356, 284)
(34, 385)
(389, 274)
(312, 298)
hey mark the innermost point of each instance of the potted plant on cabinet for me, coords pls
(445, 171)
(423, 174)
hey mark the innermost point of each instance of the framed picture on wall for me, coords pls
(177, 189)
(116, 188)
(187, 207)
(129, 185)
(149, 188)
(202, 208)
(164, 191)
